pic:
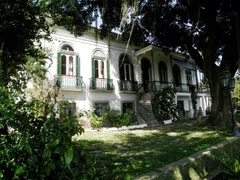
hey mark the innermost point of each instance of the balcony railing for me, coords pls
(154, 86)
(69, 82)
(157, 85)
(128, 86)
(182, 88)
(101, 84)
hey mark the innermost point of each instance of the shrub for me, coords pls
(111, 118)
(163, 104)
(39, 147)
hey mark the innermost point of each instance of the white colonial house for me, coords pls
(97, 73)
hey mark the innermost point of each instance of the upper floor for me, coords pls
(88, 63)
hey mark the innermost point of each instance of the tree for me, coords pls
(32, 136)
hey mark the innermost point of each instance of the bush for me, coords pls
(163, 104)
(39, 147)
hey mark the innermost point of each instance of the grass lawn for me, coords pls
(129, 153)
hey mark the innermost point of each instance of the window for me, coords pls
(68, 62)
(177, 75)
(100, 108)
(180, 105)
(64, 64)
(162, 72)
(126, 106)
(67, 109)
(126, 68)
(99, 61)
(189, 77)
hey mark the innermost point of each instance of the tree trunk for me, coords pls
(220, 115)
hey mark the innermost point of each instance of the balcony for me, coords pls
(155, 86)
(99, 84)
(67, 82)
(182, 88)
(128, 86)
(158, 86)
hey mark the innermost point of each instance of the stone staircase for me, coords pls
(144, 109)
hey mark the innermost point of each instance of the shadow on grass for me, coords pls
(139, 154)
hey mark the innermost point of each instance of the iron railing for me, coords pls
(69, 82)
(101, 84)
(154, 86)
(128, 85)
(142, 111)
(182, 87)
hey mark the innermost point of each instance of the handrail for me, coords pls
(127, 85)
(69, 82)
(101, 84)
(139, 94)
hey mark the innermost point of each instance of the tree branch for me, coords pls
(195, 55)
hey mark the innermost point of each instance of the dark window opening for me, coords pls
(100, 108)
(127, 106)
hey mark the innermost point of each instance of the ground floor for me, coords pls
(99, 101)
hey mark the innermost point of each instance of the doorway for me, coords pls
(146, 74)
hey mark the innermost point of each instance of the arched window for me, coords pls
(126, 70)
(68, 61)
(67, 48)
(99, 64)
(162, 68)
(177, 75)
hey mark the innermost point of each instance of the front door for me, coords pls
(146, 74)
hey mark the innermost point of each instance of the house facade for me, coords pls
(95, 73)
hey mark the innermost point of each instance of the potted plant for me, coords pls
(164, 106)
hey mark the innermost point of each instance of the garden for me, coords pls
(129, 153)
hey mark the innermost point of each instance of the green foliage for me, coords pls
(39, 146)
(23, 24)
(230, 162)
(114, 118)
(236, 94)
(163, 104)
(96, 122)
(111, 118)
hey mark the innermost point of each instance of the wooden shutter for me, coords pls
(59, 63)
(93, 68)
(108, 69)
(77, 65)
(93, 73)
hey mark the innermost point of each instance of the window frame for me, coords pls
(126, 102)
(102, 110)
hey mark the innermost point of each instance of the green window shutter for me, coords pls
(77, 65)
(93, 73)
(108, 69)
(108, 76)
(59, 63)
(93, 68)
